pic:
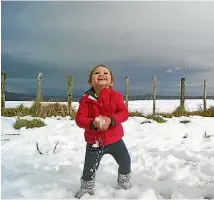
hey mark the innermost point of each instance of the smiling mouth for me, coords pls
(102, 79)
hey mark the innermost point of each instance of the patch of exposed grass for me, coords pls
(146, 122)
(208, 113)
(52, 109)
(156, 118)
(28, 123)
(40, 110)
(135, 114)
(18, 111)
(166, 115)
(43, 110)
(180, 111)
(185, 121)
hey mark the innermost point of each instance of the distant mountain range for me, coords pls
(162, 97)
(12, 96)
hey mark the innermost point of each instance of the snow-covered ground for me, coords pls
(169, 161)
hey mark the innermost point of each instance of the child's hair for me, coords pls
(92, 71)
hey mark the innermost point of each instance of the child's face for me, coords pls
(101, 76)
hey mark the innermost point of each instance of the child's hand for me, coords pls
(106, 124)
(102, 123)
(96, 123)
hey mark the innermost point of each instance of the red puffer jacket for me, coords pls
(110, 103)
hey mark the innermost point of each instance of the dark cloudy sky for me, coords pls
(140, 39)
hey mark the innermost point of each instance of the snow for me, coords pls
(169, 161)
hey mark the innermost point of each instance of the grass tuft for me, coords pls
(40, 110)
(184, 121)
(34, 123)
(18, 111)
(158, 119)
(135, 114)
(44, 110)
(180, 111)
(146, 122)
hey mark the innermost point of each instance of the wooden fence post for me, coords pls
(205, 95)
(154, 94)
(3, 87)
(127, 90)
(182, 100)
(70, 81)
(39, 88)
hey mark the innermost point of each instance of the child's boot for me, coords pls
(86, 187)
(123, 181)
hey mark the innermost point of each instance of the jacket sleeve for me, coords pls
(82, 119)
(121, 113)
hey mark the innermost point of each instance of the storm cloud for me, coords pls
(169, 40)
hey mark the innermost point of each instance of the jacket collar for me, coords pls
(91, 94)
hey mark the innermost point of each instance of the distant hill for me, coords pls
(162, 97)
(12, 96)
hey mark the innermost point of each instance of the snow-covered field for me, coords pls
(172, 160)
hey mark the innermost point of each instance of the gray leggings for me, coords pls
(93, 157)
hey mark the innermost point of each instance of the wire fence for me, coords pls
(128, 95)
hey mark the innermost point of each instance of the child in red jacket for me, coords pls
(101, 112)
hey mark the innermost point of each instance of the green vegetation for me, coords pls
(158, 119)
(184, 121)
(44, 110)
(178, 112)
(40, 110)
(135, 114)
(28, 123)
